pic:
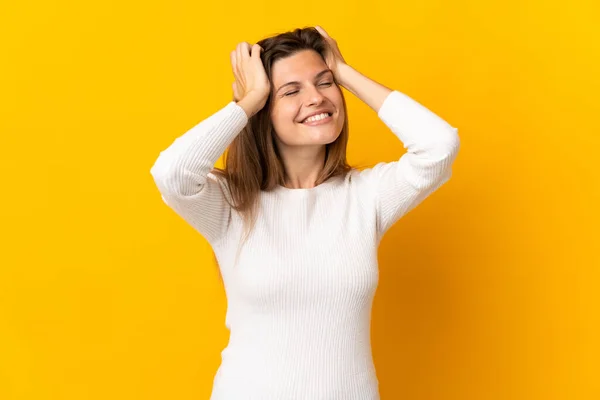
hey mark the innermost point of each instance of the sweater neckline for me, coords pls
(328, 183)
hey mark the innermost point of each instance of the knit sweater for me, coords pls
(300, 294)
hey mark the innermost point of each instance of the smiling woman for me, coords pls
(301, 277)
(278, 148)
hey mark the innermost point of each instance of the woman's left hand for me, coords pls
(333, 58)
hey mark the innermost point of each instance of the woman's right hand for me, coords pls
(251, 87)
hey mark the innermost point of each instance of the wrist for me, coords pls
(251, 104)
(344, 72)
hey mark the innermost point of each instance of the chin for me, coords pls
(326, 139)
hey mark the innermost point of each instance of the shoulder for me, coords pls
(366, 176)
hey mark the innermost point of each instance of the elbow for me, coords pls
(444, 149)
(165, 178)
(452, 141)
(176, 182)
(450, 145)
(454, 145)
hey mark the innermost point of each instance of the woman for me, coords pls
(294, 228)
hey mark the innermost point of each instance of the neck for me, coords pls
(303, 166)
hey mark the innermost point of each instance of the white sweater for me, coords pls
(299, 299)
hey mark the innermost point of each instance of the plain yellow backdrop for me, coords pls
(488, 290)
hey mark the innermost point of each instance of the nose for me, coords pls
(314, 96)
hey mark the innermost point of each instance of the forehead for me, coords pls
(302, 65)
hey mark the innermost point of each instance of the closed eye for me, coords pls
(326, 84)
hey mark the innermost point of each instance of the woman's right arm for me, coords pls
(181, 172)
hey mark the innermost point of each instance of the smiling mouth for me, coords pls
(318, 121)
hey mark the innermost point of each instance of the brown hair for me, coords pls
(252, 161)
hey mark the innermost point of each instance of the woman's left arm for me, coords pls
(432, 146)
(370, 92)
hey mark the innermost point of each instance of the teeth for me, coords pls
(316, 117)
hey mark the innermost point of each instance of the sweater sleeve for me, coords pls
(432, 146)
(182, 171)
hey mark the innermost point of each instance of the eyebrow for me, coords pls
(317, 76)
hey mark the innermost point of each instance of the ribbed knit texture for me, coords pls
(299, 298)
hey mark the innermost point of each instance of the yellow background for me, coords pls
(488, 290)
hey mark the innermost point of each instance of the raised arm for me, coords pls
(432, 145)
(181, 172)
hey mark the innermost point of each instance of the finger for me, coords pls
(321, 31)
(256, 49)
(233, 61)
(238, 53)
(245, 50)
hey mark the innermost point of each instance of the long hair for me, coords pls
(252, 160)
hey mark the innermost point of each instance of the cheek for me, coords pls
(283, 123)
(285, 115)
(341, 113)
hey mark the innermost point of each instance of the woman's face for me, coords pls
(312, 90)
